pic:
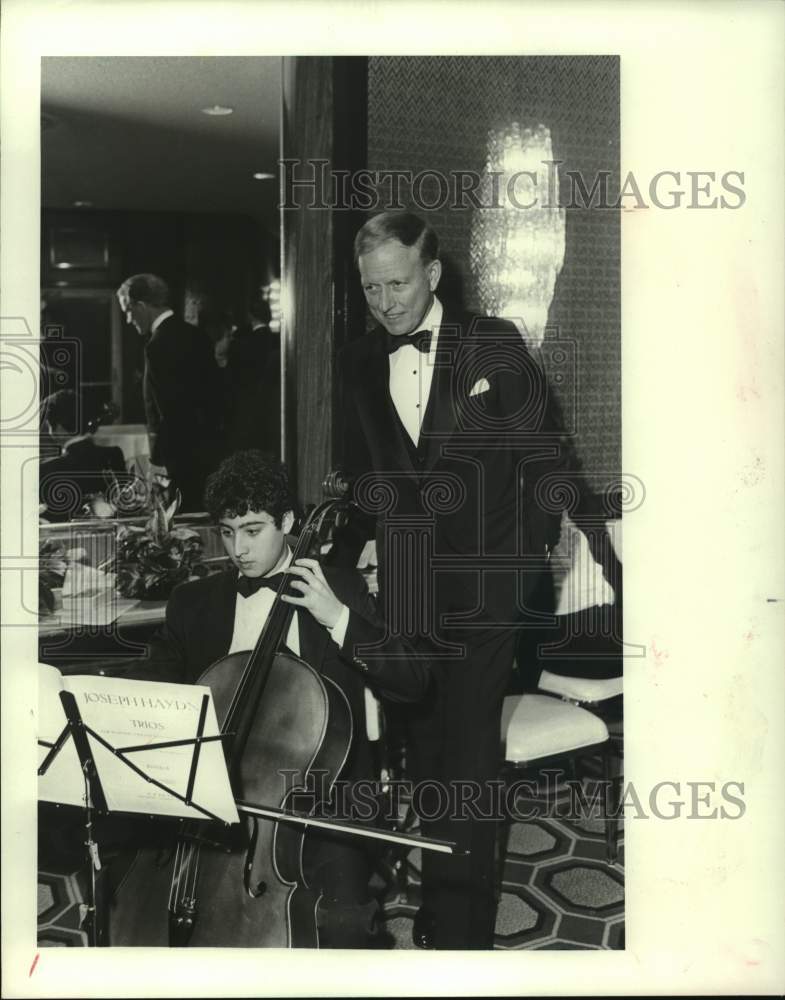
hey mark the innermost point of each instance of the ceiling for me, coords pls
(127, 132)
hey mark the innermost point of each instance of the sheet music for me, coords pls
(131, 713)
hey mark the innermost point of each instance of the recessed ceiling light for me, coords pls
(217, 110)
(83, 204)
(263, 177)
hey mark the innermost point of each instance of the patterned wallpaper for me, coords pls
(435, 112)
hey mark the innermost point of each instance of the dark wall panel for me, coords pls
(435, 112)
(307, 282)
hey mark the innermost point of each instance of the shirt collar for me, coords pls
(433, 318)
(160, 318)
(75, 440)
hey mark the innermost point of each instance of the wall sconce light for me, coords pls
(272, 294)
(518, 236)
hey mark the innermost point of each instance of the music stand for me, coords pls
(95, 796)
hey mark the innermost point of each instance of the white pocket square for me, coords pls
(481, 386)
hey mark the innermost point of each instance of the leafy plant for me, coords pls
(153, 559)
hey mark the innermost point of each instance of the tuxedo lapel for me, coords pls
(441, 415)
(215, 630)
(313, 640)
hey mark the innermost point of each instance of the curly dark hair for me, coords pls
(249, 481)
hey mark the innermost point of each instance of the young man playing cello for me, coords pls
(250, 500)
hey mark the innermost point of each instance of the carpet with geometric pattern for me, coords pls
(557, 889)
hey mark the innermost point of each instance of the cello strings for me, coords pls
(173, 883)
(303, 543)
(192, 895)
(182, 867)
(183, 886)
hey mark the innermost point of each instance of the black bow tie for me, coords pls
(247, 585)
(421, 340)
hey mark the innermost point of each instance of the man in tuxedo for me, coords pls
(82, 468)
(180, 386)
(254, 383)
(250, 500)
(449, 426)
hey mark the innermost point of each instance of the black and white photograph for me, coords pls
(198, 252)
(339, 374)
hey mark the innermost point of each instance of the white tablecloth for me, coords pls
(578, 578)
(132, 438)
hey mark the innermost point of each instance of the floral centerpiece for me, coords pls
(153, 559)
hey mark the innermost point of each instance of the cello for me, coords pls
(245, 886)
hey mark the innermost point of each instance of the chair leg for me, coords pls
(609, 806)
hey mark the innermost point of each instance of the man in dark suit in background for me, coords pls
(452, 415)
(254, 383)
(82, 468)
(181, 393)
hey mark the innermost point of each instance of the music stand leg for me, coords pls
(93, 917)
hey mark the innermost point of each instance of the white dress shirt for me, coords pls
(411, 374)
(251, 613)
(160, 318)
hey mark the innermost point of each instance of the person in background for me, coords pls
(181, 390)
(254, 382)
(80, 468)
(218, 323)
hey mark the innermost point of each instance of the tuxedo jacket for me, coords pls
(483, 476)
(67, 480)
(181, 391)
(200, 623)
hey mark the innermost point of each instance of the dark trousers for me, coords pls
(339, 867)
(454, 751)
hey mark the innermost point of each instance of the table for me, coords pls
(113, 649)
(132, 612)
(132, 439)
